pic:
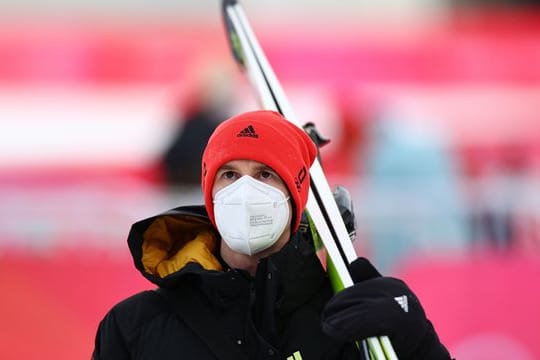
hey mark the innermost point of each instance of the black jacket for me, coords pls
(203, 310)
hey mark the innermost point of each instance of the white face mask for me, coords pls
(250, 215)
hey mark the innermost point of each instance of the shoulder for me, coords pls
(138, 308)
(120, 327)
(127, 317)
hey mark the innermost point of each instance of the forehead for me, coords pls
(244, 166)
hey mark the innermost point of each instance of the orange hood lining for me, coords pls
(171, 242)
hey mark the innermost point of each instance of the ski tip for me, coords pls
(232, 36)
(229, 2)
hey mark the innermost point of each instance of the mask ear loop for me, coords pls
(293, 215)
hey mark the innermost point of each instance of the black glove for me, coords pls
(377, 306)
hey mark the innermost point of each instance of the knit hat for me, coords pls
(266, 137)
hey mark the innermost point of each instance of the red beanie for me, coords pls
(266, 137)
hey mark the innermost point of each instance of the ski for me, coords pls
(321, 206)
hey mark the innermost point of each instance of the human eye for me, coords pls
(265, 174)
(229, 175)
(268, 176)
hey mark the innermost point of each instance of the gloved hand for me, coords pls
(377, 306)
(343, 199)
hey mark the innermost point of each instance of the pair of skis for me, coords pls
(321, 206)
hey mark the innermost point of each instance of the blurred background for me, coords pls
(432, 108)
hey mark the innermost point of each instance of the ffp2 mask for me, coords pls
(250, 215)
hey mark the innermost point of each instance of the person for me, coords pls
(411, 198)
(208, 102)
(237, 280)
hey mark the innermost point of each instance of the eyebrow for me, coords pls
(226, 167)
(264, 167)
(260, 167)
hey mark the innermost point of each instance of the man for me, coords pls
(237, 280)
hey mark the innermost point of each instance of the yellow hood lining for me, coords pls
(171, 242)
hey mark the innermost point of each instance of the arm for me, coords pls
(377, 305)
(110, 343)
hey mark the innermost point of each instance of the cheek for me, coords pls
(281, 186)
(289, 204)
(215, 188)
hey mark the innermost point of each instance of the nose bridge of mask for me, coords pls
(259, 192)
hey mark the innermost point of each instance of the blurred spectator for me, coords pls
(502, 201)
(347, 148)
(339, 118)
(209, 102)
(411, 202)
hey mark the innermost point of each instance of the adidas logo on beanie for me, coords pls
(249, 132)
